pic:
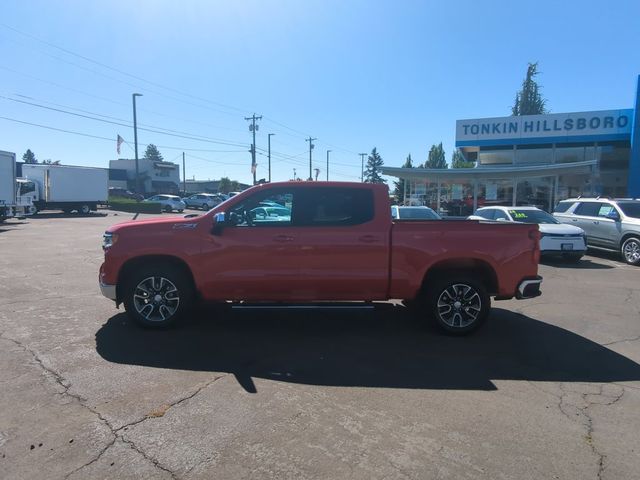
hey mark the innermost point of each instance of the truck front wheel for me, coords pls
(156, 297)
(458, 305)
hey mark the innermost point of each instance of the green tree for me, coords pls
(458, 160)
(400, 184)
(529, 100)
(372, 172)
(225, 185)
(29, 157)
(152, 153)
(436, 157)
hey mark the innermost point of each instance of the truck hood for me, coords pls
(169, 221)
(560, 229)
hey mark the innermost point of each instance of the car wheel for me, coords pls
(631, 251)
(206, 207)
(84, 209)
(167, 208)
(457, 305)
(157, 296)
(180, 211)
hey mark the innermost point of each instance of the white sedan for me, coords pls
(556, 238)
(169, 203)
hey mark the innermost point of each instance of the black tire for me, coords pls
(84, 209)
(205, 207)
(457, 305)
(630, 250)
(167, 209)
(157, 296)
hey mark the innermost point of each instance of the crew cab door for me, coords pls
(345, 240)
(253, 257)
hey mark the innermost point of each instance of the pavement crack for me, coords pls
(167, 407)
(150, 459)
(632, 339)
(575, 405)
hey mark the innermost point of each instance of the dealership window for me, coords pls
(422, 192)
(575, 152)
(535, 191)
(495, 192)
(496, 155)
(456, 198)
(614, 167)
(534, 153)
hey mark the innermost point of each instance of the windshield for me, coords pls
(532, 216)
(630, 209)
(417, 213)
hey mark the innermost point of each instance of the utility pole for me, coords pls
(328, 164)
(184, 176)
(252, 128)
(135, 139)
(310, 140)
(269, 140)
(362, 155)
(294, 173)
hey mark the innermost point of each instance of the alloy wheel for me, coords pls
(459, 305)
(156, 299)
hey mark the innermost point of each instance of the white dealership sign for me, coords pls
(567, 125)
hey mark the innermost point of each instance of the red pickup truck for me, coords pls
(317, 241)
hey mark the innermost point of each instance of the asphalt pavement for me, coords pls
(548, 389)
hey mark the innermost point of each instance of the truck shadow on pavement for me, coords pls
(385, 347)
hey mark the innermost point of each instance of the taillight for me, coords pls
(535, 236)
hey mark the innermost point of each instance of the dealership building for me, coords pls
(533, 160)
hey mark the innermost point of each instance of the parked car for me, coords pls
(556, 239)
(609, 224)
(413, 213)
(339, 243)
(116, 192)
(169, 203)
(204, 201)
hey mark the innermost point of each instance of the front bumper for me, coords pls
(108, 291)
(529, 288)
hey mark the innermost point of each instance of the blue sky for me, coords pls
(353, 74)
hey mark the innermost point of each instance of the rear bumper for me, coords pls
(529, 288)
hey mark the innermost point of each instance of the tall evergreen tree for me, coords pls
(400, 184)
(29, 157)
(372, 172)
(529, 100)
(152, 153)
(436, 157)
(458, 160)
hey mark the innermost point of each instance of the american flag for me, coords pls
(118, 143)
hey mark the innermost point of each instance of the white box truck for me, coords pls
(64, 187)
(11, 205)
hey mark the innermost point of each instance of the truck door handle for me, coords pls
(368, 238)
(283, 238)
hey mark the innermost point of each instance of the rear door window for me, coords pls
(335, 207)
(588, 209)
(562, 207)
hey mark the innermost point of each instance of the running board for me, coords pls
(303, 307)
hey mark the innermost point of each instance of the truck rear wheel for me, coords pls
(457, 305)
(157, 296)
(84, 209)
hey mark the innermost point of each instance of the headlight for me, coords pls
(108, 239)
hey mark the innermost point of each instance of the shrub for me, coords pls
(133, 206)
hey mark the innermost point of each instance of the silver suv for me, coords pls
(609, 224)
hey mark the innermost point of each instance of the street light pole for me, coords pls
(269, 135)
(362, 155)
(328, 165)
(135, 140)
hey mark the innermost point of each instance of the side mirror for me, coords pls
(613, 215)
(219, 221)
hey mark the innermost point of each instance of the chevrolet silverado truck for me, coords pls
(299, 242)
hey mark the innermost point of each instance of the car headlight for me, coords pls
(108, 240)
